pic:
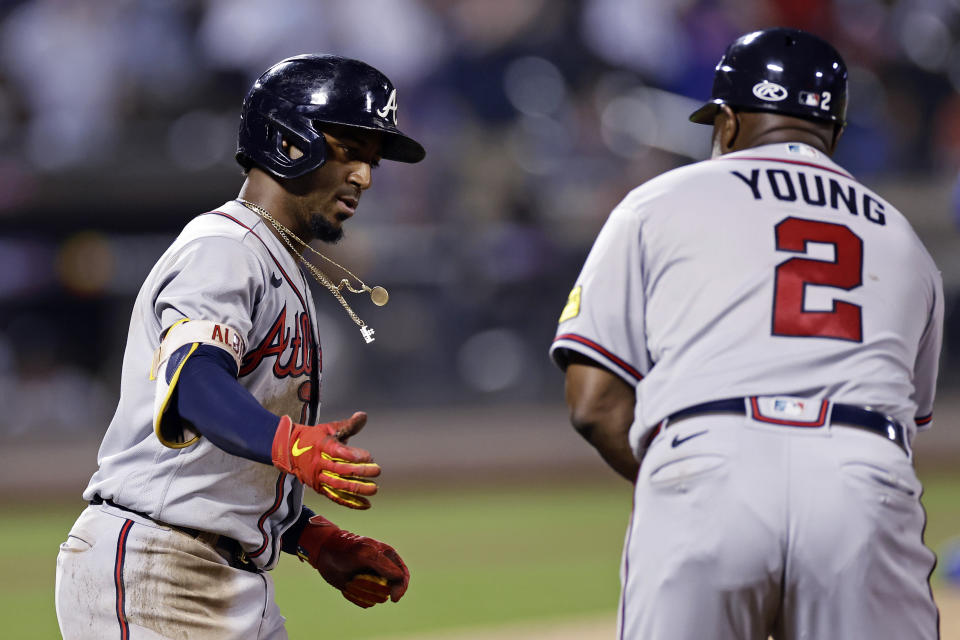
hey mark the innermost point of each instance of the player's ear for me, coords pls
(730, 127)
(726, 128)
(291, 150)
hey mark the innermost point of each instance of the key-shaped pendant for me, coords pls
(367, 333)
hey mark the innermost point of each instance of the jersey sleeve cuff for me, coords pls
(178, 344)
(589, 348)
(923, 422)
(186, 331)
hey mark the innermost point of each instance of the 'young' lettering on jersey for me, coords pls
(774, 287)
(226, 267)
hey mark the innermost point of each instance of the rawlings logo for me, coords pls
(391, 106)
(769, 91)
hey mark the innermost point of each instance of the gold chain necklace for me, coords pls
(378, 294)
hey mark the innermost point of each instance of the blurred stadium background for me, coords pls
(118, 123)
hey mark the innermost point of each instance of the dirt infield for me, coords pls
(604, 628)
(948, 599)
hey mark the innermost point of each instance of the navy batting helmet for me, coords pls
(294, 97)
(785, 71)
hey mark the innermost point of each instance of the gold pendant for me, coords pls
(379, 296)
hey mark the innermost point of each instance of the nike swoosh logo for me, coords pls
(275, 280)
(677, 440)
(297, 451)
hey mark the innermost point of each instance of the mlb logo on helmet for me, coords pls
(809, 99)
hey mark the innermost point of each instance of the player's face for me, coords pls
(328, 196)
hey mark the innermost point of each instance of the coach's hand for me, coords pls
(364, 570)
(319, 456)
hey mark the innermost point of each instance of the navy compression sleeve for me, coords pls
(220, 408)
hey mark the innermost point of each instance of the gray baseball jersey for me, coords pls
(768, 272)
(789, 279)
(226, 267)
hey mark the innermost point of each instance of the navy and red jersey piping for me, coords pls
(118, 579)
(923, 420)
(603, 351)
(278, 500)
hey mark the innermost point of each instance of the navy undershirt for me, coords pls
(209, 396)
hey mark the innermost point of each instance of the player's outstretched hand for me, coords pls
(319, 456)
(365, 570)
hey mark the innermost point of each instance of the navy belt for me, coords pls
(229, 548)
(847, 415)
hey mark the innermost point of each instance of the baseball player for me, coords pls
(753, 342)
(201, 472)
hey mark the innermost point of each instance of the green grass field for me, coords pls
(477, 557)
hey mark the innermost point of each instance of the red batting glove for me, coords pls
(319, 457)
(364, 570)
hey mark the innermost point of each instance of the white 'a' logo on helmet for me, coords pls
(769, 91)
(390, 106)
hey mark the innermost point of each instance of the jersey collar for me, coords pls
(795, 153)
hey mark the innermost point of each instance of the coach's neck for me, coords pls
(738, 130)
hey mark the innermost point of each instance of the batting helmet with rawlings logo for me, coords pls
(294, 97)
(780, 70)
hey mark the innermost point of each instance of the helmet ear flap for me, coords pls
(275, 140)
(312, 147)
(280, 155)
(265, 125)
(310, 141)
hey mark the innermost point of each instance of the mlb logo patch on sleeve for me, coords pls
(572, 309)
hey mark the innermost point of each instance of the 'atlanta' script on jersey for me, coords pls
(296, 362)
